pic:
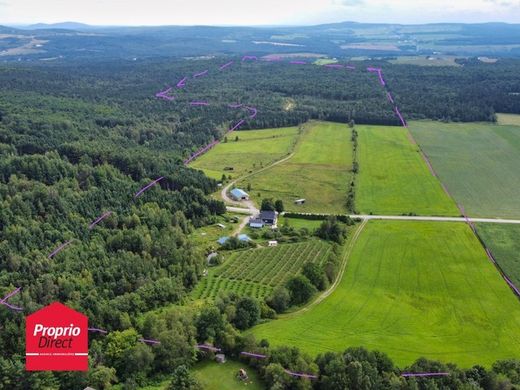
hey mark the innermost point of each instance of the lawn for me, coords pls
(319, 171)
(393, 178)
(508, 119)
(256, 272)
(504, 242)
(215, 376)
(478, 162)
(254, 149)
(206, 237)
(412, 289)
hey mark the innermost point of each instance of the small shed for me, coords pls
(299, 201)
(256, 223)
(239, 194)
(272, 243)
(220, 358)
(221, 225)
(222, 240)
(244, 237)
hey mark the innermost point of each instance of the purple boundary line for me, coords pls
(99, 219)
(252, 58)
(255, 355)
(298, 62)
(199, 104)
(97, 330)
(334, 66)
(421, 374)
(226, 65)
(200, 74)
(138, 193)
(301, 375)
(4, 302)
(208, 347)
(149, 341)
(58, 249)
(181, 83)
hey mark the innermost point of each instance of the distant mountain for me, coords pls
(62, 25)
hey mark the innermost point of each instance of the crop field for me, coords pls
(411, 289)
(254, 149)
(508, 119)
(503, 240)
(256, 272)
(393, 178)
(478, 162)
(319, 171)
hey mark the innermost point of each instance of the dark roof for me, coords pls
(256, 220)
(267, 214)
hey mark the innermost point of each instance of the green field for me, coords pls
(256, 272)
(508, 119)
(319, 171)
(478, 162)
(504, 242)
(426, 60)
(215, 376)
(393, 178)
(255, 148)
(412, 289)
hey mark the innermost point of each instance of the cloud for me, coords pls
(349, 3)
(505, 3)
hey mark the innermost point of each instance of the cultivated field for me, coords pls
(255, 148)
(319, 171)
(256, 272)
(478, 162)
(412, 289)
(504, 242)
(393, 178)
(508, 119)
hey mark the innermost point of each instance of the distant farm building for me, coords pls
(239, 194)
(222, 240)
(272, 243)
(268, 217)
(299, 201)
(244, 237)
(256, 223)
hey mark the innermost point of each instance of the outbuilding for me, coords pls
(256, 223)
(299, 201)
(238, 194)
(272, 243)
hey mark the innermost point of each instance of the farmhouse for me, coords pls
(256, 223)
(268, 217)
(299, 201)
(239, 194)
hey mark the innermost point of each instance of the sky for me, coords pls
(256, 12)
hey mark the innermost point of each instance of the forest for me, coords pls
(81, 139)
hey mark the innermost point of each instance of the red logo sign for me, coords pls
(56, 339)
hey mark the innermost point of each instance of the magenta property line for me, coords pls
(99, 219)
(199, 104)
(209, 347)
(350, 67)
(390, 98)
(255, 355)
(226, 65)
(235, 105)
(149, 341)
(240, 122)
(301, 375)
(58, 249)
(508, 281)
(298, 62)
(162, 93)
(138, 193)
(253, 110)
(97, 330)
(4, 302)
(334, 66)
(182, 82)
(252, 58)
(200, 74)
(400, 116)
(413, 374)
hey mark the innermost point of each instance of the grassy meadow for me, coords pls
(393, 178)
(504, 242)
(254, 149)
(508, 119)
(478, 162)
(256, 272)
(411, 289)
(319, 171)
(215, 376)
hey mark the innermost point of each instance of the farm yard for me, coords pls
(319, 171)
(411, 289)
(254, 149)
(256, 272)
(393, 178)
(478, 163)
(502, 240)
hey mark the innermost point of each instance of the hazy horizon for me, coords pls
(255, 12)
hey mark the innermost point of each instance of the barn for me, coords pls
(239, 194)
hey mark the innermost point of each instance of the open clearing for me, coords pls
(215, 376)
(319, 171)
(256, 272)
(508, 119)
(393, 178)
(412, 289)
(503, 240)
(255, 148)
(478, 162)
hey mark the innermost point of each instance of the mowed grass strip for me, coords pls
(256, 272)
(215, 376)
(504, 242)
(319, 171)
(254, 149)
(393, 178)
(478, 162)
(412, 289)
